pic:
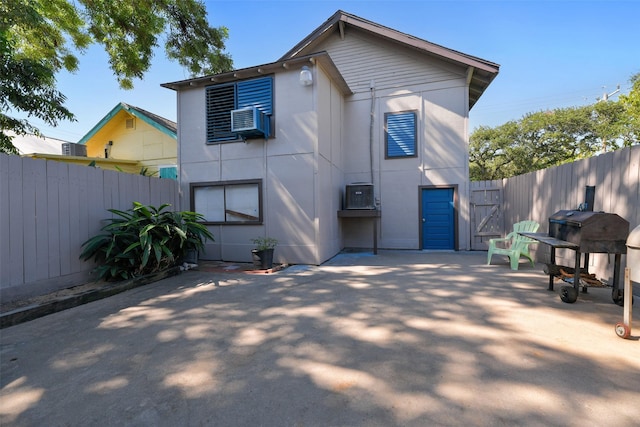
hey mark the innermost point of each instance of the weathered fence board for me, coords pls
(48, 209)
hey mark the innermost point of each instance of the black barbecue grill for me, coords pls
(585, 232)
(593, 232)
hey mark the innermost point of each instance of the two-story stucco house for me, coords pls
(283, 149)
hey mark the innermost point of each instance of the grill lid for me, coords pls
(594, 232)
(575, 218)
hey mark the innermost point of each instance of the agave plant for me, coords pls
(143, 240)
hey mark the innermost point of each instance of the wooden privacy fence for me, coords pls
(537, 195)
(49, 208)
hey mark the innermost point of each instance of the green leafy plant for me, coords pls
(146, 172)
(263, 243)
(144, 240)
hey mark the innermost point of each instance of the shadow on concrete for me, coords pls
(403, 338)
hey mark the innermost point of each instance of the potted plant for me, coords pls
(263, 252)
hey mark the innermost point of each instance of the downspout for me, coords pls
(465, 207)
(371, 122)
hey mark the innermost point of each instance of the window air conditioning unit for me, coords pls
(359, 196)
(250, 122)
(73, 149)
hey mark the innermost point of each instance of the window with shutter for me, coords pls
(221, 99)
(400, 134)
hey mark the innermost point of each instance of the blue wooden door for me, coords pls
(438, 225)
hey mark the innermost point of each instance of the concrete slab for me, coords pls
(402, 338)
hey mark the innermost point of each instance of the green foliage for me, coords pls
(40, 38)
(26, 83)
(146, 172)
(143, 240)
(263, 243)
(549, 138)
(630, 127)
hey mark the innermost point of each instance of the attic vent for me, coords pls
(130, 123)
(250, 122)
(72, 149)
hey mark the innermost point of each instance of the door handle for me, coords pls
(424, 220)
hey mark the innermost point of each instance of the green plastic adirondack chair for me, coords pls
(517, 245)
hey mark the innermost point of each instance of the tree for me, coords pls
(631, 103)
(489, 156)
(39, 38)
(549, 138)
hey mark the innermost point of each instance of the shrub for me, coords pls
(143, 240)
(263, 243)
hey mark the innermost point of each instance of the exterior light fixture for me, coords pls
(306, 78)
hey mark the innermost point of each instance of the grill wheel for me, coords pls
(568, 294)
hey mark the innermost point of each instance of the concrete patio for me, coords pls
(400, 339)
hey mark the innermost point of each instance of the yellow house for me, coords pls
(129, 133)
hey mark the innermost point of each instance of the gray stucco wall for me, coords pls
(295, 186)
(401, 79)
(324, 140)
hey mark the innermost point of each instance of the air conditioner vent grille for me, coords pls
(359, 196)
(250, 122)
(73, 149)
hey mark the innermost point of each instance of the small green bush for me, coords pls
(263, 243)
(144, 240)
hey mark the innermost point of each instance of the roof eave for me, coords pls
(135, 112)
(322, 58)
(483, 74)
(121, 106)
(94, 130)
(390, 34)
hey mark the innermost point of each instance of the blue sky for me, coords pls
(552, 54)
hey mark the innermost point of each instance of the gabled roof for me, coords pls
(165, 126)
(481, 72)
(321, 58)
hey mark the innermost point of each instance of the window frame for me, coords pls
(229, 136)
(193, 186)
(414, 113)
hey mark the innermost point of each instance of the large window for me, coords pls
(223, 98)
(230, 202)
(400, 134)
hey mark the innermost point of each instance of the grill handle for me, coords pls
(565, 222)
